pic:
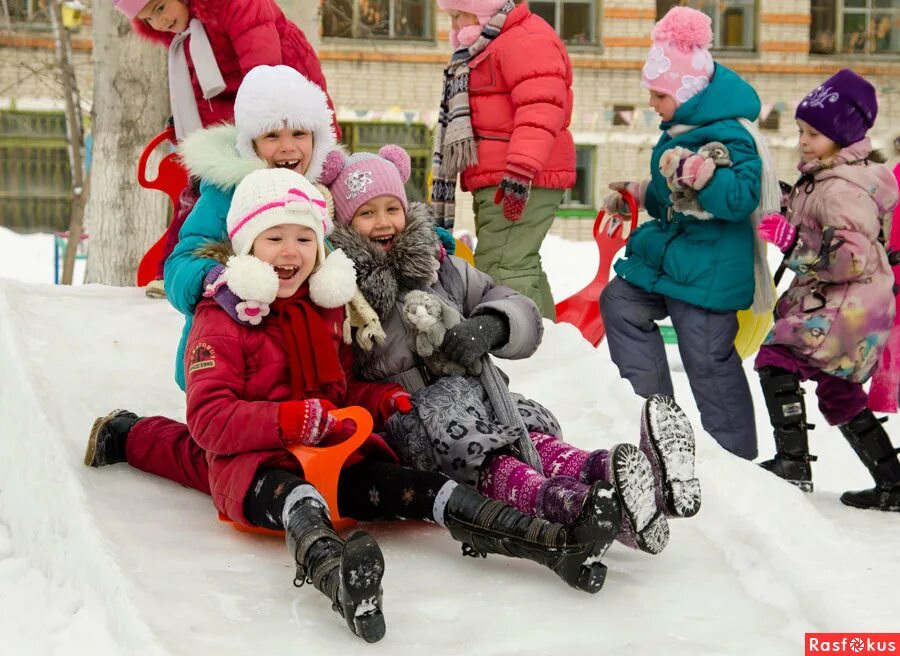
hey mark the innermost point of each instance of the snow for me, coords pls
(115, 561)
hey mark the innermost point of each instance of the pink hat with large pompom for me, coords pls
(484, 10)
(357, 179)
(679, 63)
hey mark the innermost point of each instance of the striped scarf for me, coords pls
(454, 141)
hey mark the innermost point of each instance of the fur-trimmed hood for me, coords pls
(411, 263)
(211, 155)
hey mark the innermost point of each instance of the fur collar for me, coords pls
(411, 263)
(210, 155)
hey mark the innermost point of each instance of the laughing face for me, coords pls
(166, 15)
(380, 219)
(287, 148)
(292, 250)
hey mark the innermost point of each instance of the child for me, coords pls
(212, 46)
(833, 321)
(696, 261)
(454, 427)
(504, 127)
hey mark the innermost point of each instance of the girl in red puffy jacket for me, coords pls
(503, 130)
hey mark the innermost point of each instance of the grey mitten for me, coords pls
(470, 339)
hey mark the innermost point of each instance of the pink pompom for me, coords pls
(399, 158)
(684, 27)
(331, 169)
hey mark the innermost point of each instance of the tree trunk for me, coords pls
(131, 102)
(305, 14)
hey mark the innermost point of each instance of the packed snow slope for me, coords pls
(115, 561)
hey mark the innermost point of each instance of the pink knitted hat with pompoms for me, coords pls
(679, 63)
(484, 10)
(357, 179)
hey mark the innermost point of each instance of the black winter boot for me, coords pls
(349, 574)
(488, 526)
(787, 412)
(873, 446)
(106, 444)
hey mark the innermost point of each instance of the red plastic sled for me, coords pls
(170, 178)
(583, 309)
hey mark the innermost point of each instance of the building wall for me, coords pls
(400, 81)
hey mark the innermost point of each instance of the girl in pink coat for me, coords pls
(832, 323)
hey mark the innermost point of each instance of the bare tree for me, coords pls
(305, 15)
(130, 104)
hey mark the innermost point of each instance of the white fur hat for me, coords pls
(272, 96)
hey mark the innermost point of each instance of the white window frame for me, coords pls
(594, 11)
(359, 31)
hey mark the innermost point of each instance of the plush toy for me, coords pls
(427, 319)
(684, 195)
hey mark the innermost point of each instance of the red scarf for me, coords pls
(313, 360)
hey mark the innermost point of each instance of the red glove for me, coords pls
(306, 422)
(396, 399)
(776, 229)
(514, 190)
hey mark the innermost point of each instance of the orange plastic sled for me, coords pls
(322, 467)
(171, 178)
(583, 309)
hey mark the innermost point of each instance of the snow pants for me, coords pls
(706, 344)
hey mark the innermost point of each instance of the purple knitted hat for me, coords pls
(843, 107)
(357, 179)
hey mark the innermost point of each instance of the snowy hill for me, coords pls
(114, 561)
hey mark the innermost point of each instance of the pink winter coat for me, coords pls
(242, 34)
(520, 96)
(838, 311)
(236, 377)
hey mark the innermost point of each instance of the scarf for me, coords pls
(181, 91)
(769, 201)
(313, 361)
(454, 141)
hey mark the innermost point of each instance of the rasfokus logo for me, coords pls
(852, 644)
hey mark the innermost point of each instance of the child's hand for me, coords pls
(776, 229)
(244, 288)
(471, 338)
(615, 204)
(306, 422)
(697, 171)
(396, 399)
(514, 190)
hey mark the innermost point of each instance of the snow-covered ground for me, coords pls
(114, 561)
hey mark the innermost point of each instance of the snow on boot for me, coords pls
(349, 574)
(667, 440)
(873, 446)
(644, 525)
(787, 412)
(489, 526)
(106, 444)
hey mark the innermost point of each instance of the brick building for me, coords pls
(383, 61)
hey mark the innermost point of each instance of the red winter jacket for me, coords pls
(520, 95)
(243, 34)
(236, 377)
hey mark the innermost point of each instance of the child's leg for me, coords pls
(635, 344)
(157, 445)
(706, 344)
(349, 574)
(509, 251)
(840, 400)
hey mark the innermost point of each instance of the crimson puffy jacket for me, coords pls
(520, 96)
(243, 34)
(236, 377)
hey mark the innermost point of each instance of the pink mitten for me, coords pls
(697, 171)
(776, 229)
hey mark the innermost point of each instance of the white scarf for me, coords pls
(181, 92)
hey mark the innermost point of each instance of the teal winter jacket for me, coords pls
(705, 262)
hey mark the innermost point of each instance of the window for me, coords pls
(622, 114)
(733, 21)
(30, 14)
(772, 121)
(377, 19)
(854, 26)
(582, 194)
(575, 20)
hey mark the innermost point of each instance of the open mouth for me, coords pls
(287, 272)
(287, 164)
(385, 241)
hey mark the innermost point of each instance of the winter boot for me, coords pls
(873, 446)
(106, 445)
(349, 574)
(667, 440)
(787, 412)
(644, 526)
(488, 526)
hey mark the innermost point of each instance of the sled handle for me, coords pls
(613, 227)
